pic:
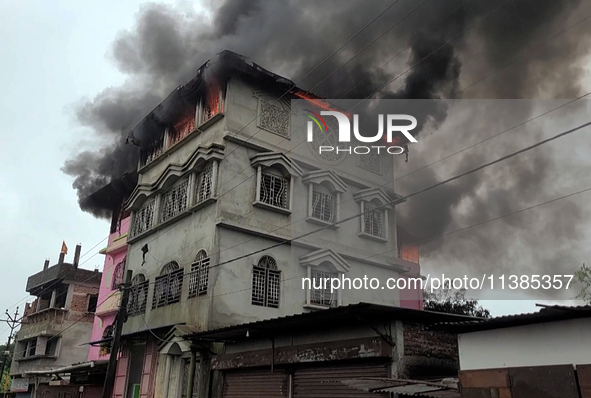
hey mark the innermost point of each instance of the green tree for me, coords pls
(5, 358)
(453, 301)
(583, 277)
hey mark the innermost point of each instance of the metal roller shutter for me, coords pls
(323, 382)
(255, 383)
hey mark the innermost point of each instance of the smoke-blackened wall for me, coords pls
(431, 49)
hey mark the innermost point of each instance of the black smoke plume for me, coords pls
(454, 49)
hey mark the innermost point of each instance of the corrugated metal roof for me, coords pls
(330, 317)
(546, 314)
(445, 388)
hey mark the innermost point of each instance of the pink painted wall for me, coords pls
(115, 253)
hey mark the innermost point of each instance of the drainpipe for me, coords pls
(191, 379)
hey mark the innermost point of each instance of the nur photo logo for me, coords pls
(390, 125)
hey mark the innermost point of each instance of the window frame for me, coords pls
(168, 279)
(335, 296)
(139, 285)
(275, 173)
(271, 274)
(336, 199)
(384, 210)
(199, 274)
(152, 202)
(185, 180)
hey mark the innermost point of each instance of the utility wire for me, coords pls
(404, 198)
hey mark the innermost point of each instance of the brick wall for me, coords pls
(79, 304)
(429, 353)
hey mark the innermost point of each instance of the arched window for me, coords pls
(324, 203)
(168, 286)
(266, 282)
(107, 340)
(199, 277)
(274, 188)
(118, 275)
(138, 295)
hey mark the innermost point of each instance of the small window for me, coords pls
(138, 295)
(274, 189)
(51, 346)
(168, 286)
(199, 277)
(108, 334)
(321, 293)
(92, 302)
(31, 347)
(266, 280)
(204, 184)
(143, 219)
(324, 204)
(175, 200)
(373, 220)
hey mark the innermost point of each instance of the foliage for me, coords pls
(5, 356)
(453, 301)
(583, 277)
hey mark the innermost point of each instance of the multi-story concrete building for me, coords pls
(56, 325)
(225, 182)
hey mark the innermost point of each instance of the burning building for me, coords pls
(215, 202)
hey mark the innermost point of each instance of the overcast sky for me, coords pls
(54, 54)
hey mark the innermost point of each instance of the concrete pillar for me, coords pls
(398, 369)
(77, 255)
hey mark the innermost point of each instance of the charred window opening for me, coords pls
(212, 103)
(182, 128)
(152, 151)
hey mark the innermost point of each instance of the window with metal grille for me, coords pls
(182, 128)
(324, 203)
(373, 220)
(152, 151)
(204, 184)
(274, 190)
(143, 219)
(138, 295)
(199, 276)
(118, 275)
(168, 286)
(175, 200)
(321, 293)
(266, 281)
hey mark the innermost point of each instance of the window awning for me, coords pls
(67, 369)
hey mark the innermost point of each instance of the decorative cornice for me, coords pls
(199, 156)
(318, 176)
(379, 194)
(268, 159)
(320, 256)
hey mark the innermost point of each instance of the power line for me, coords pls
(404, 198)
